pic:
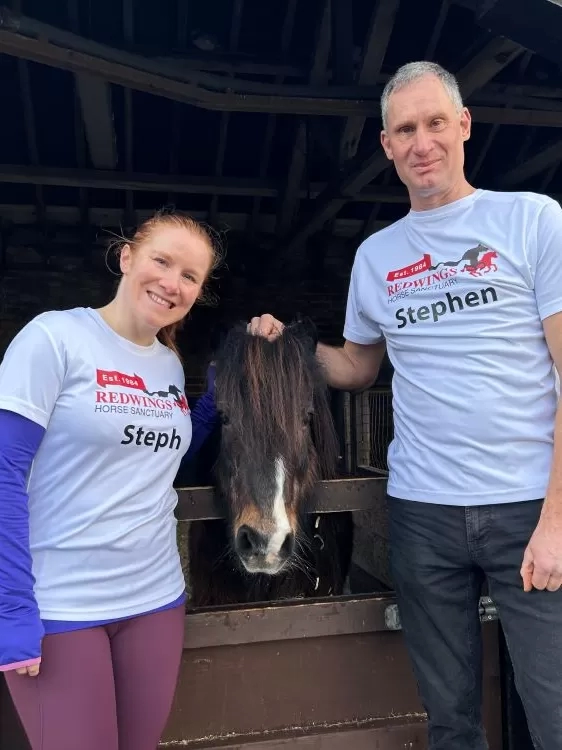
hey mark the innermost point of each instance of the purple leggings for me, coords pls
(105, 688)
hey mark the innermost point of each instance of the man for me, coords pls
(465, 293)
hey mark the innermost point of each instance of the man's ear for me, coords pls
(385, 142)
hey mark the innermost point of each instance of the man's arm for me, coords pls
(349, 368)
(542, 562)
(352, 367)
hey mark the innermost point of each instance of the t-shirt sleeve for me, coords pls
(21, 629)
(359, 328)
(548, 268)
(32, 373)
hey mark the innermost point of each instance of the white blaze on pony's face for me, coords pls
(264, 536)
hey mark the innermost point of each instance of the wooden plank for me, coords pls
(331, 496)
(410, 734)
(276, 621)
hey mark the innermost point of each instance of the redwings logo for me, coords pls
(158, 403)
(476, 262)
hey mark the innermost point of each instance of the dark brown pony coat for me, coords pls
(273, 401)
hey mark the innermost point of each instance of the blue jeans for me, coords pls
(440, 558)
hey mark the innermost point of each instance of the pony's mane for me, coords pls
(262, 386)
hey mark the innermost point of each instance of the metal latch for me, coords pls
(487, 609)
(487, 612)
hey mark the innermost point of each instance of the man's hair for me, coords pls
(411, 72)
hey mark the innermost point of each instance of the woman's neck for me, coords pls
(117, 317)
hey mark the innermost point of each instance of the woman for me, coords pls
(93, 426)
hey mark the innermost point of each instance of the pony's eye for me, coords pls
(308, 418)
(224, 418)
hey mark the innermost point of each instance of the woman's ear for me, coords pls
(125, 258)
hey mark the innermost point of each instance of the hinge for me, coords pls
(487, 612)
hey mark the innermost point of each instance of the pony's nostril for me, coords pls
(288, 546)
(249, 541)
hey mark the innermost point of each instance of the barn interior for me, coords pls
(263, 120)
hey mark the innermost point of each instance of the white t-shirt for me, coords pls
(459, 293)
(101, 501)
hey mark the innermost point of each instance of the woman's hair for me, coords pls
(171, 218)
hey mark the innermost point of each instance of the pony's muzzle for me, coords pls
(263, 553)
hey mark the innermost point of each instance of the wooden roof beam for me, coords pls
(487, 64)
(288, 207)
(494, 57)
(286, 35)
(184, 184)
(534, 165)
(22, 214)
(236, 22)
(378, 37)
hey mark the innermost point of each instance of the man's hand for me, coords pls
(32, 670)
(267, 326)
(542, 561)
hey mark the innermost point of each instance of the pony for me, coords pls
(277, 439)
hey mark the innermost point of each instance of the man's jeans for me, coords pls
(440, 557)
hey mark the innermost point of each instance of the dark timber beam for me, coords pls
(29, 122)
(186, 184)
(94, 97)
(288, 207)
(495, 55)
(236, 21)
(493, 58)
(208, 91)
(378, 36)
(286, 34)
(532, 166)
(128, 33)
(112, 218)
(342, 41)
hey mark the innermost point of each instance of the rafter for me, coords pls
(533, 166)
(487, 63)
(493, 58)
(378, 36)
(286, 34)
(29, 122)
(129, 32)
(162, 183)
(225, 117)
(288, 207)
(208, 91)
(111, 218)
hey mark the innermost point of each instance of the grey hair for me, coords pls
(411, 72)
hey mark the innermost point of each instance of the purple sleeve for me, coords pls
(203, 417)
(21, 630)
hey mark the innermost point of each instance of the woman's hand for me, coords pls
(32, 670)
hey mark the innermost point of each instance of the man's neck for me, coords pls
(425, 201)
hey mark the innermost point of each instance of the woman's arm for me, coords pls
(204, 417)
(21, 630)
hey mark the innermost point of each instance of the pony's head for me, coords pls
(277, 440)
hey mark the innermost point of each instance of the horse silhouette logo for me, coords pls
(179, 397)
(478, 260)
